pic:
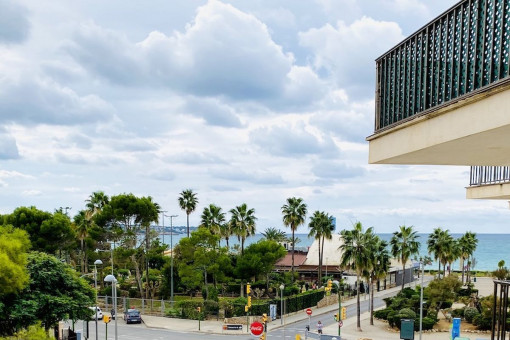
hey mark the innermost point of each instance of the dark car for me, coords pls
(132, 316)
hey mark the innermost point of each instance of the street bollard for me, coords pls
(298, 337)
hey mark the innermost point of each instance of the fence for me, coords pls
(145, 306)
(484, 175)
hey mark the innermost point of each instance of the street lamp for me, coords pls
(421, 295)
(337, 283)
(96, 262)
(113, 280)
(172, 260)
(282, 286)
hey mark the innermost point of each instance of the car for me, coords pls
(132, 316)
(99, 313)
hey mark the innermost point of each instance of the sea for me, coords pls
(491, 248)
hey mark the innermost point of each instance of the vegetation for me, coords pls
(321, 226)
(188, 202)
(404, 244)
(294, 214)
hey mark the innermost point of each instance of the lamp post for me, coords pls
(282, 286)
(113, 280)
(337, 283)
(96, 262)
(421, 295)
(172, 260)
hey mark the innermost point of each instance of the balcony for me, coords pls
(442, 93)
(489, 182)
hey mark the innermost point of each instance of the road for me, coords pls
(141, 332)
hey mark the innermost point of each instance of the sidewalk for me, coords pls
(215, 327)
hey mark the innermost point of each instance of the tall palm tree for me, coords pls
(226, 232)
(243, 223)
(356, 255)
(379, 267)
(453, 254)
(273, 234)
(188, 202)
(96, 202)
(294, 214)
(435, 245)
(467, 244)
(321, 228)
(213, 218)
(82, 224)
(404, 244)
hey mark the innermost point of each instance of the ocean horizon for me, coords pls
(491, 248)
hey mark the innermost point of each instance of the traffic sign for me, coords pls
(309, 311)
(256, 328)
(340, 323)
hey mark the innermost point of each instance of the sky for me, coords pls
(241, 101)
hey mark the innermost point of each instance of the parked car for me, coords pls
(132, 316)
(99, 313)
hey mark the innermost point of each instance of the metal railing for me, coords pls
(145, 306)
(486, 175)
(463, 51)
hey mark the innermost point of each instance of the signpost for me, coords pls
(309, 313)
(256, 328)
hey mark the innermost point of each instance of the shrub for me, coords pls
(391, 318)
(470, 313)
(173, 313)
(428, 323)
(458, 313)
(482, 322)
(383, 313)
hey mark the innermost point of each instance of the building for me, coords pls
(442, 97)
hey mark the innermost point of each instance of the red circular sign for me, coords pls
(256, 328)
(340, 323)
(309, 311)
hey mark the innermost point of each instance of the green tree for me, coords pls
(258, 260)
(273, 234)
(96, 202)
(213, 218)
(56, 234)
(243, 223)
(437, 245)
(55, 292)
(30, 219)
(379, 267)
(467, 244)
(294, 214)
(445, 290)
(128, 215)
(404, 244)
(14, 245)
(188, 202)
(356, 255)
(321, 228)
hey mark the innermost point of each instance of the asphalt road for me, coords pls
(140, 332)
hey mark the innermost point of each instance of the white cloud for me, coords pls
(14, 24)
(349, 51)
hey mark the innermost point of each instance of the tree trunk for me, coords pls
(292, 267)
(187, 224)
(403, 274)
(137, 274)
(371, 302)
(358, 307)
(226, 239)
(242, 247)
(320, 262)
(242, 289)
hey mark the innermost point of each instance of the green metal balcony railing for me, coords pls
(462, 52)
(487, 175)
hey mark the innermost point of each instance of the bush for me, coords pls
(173, 313)
(391, 318)
(470, 313)
(483, 323)
(446, 304)
(428, 323)
(458, 313)
(383, 313)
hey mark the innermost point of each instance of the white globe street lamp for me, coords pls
(282, 286)
(96, 263)
(113, 280)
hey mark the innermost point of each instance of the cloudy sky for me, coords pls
(241, 101)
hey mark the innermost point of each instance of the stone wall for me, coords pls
(328, 300)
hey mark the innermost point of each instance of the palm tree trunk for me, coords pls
(242, 248)
(371, 302)
(292, 266)
(403, 274)
(226, 239)
(439, 269)
(358, 307)
(320, 262)
(187, 223)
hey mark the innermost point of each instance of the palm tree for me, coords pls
(379, 267)
(226, 232)
(273, 234)
(82, 224)
(467, 244)
(96, 202)
(404, 245)
(243, 223)
(294, 214)
(188, 202)
(213, 218)
(454, 252)
(356, 255)
(435, 245)
(321, 226)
